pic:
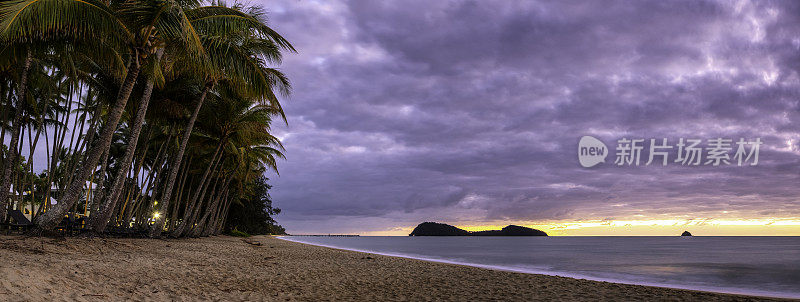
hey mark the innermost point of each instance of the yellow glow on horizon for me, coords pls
(704, 227)
(660, 227)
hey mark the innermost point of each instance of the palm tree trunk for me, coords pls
(15, 133)
(116, 212)
(48, 167)
(213, 203)
(205, 225)
(210, 229)
(32, 143)
(224, 219)
(154, 176)
(99, 222)
(100, 192)
(179, 194)
(190, 207)
(3, 121)
(155, 231)
(50, 219)
(83, 139)
(56, 160)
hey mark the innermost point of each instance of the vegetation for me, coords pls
(254, 216)
(238, 233)
(77, 79)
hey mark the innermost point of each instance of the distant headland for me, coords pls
(441, 229)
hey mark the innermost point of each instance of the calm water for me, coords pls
(768, 266)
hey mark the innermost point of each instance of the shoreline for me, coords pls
(761, 294)
(224, 268)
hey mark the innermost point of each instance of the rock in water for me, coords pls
(437, 229)
(515, 230)
(441, 229)
(686, 233)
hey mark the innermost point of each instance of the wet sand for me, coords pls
(229, 269)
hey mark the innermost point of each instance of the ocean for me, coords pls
(763, 266)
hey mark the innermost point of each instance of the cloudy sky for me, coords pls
(470, 112)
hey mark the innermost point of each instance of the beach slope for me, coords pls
(230, 269)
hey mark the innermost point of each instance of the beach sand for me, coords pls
(228, 269)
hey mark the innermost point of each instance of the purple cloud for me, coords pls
(469, 111)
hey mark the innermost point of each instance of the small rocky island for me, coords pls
(441, 229)
(686, 233)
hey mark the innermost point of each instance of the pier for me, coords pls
(329, 235)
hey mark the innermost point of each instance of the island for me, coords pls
(686, 233)
(441, 229)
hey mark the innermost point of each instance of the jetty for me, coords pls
(327, 235)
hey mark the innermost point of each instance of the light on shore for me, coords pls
(156, 215)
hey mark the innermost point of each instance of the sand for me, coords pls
(228, 269)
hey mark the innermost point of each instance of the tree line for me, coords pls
(154, 115)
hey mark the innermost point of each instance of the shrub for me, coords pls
(239, 233)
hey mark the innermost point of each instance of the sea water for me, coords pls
(765, 266)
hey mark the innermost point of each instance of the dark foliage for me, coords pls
(254, 216)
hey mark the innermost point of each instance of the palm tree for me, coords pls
(131, 26)
(99, 218)
(237, 55)
(239, 128)
(16, 127)
(68, 69)
(211, 19)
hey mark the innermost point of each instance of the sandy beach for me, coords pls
(229, 269)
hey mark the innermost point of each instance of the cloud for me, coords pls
(470, 111)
